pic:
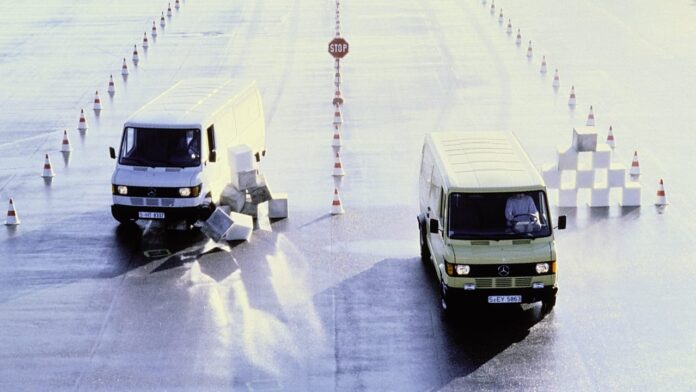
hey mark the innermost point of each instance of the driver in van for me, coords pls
(520, 209)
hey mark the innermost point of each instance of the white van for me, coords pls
(484, 220)
(173, 158)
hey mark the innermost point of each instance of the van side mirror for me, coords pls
(561, 222)
(434, 226)
(112, 153)
(212, 156)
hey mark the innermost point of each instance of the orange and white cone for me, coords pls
(556, 80)
(112, 89)
(338, 99)
(590, 118)
(661, 198)
(154, 29)
(82, 124)
(162, 21)
(572, 100)
(336, 205)
(97, 101)
(338, 118)
(492, 7)
(146, 44)
(529, 50)
(337, 142)
(12, 217)
(65, 146)
(47, 168)
(542, 69)
(610, 138)
(338, 167)
(500, 17)
(509, 26)
(169, 10)
(124, 68)
(635, 165)
(518, 40)
(176, 4)
(136, 58)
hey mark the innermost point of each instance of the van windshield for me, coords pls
(498, 215)
(161, 147)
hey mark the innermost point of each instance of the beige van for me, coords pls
(484, 221)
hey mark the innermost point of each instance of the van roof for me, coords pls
(484, 161)
(190, 103)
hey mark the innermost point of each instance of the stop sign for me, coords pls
(338, 47)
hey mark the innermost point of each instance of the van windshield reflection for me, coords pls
(161, 147)
(505, 215)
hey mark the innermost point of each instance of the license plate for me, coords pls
(504, 299)
(150, 215)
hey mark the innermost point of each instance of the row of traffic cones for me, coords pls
(47, 172)
(572, 100)
(336, 143)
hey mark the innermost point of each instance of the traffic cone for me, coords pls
(154, 29)
(12, 217)
(112, 89)
(145, 43)
(336, 206)
(169, 10)
(529, 50)
(162, 22)
(543, 65)
(610, 138)
(338, 118)
(635, 165)
(176, 4)
(509, 27)
(556, 80)
(82, 124)
(338, 167)
(590, 118)
(338, 99)
(500, 17)
(47, 169)
(65, 146)
(337, 79)
(336, 143)
(124, 68)
(136, 58)
(571, 100)
(518, 40)
(97, 101)
(661, 198)
(492, 7)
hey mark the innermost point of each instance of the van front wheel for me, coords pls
(424, 250)
(548, 304)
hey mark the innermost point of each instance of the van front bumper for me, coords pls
(480, 296)
(121, 212)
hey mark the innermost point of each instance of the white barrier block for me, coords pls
(617, 175)
(245, 180)
(241, 229)
(233, 197)
(568, 197)
(584, 139)
(278, 206)
(631, 194)
(260, 193)
(585, 177)
(599, 196)
(567, 158)
(601, 159)
(241, 159)
(250, 209)
(551, 176)
(217, 225)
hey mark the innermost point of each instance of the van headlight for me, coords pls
(462, 269)
(193, 191)
(184, 192)
(542, 268)
(121, 189)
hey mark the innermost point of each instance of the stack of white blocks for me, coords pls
(587, 165)
(248, 188)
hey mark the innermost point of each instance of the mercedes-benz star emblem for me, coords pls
(152, 192)
(504, 270)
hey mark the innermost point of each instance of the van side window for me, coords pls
(442, 203)
(211, 138)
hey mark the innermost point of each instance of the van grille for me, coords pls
(484, 283)
(502, 283)
(137, 201)
(523, 282)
